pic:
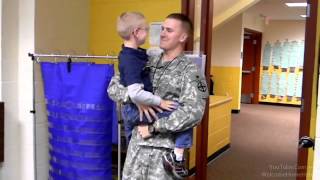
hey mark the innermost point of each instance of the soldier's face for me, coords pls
(172, 34)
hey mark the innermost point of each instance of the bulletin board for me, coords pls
(281, 72)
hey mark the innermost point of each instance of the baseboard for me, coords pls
(279, 104)
(235, 111)
(212, 157)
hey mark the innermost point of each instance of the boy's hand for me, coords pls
(147, 111)
(157, 109)
(168, 105)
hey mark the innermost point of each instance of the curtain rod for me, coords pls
(34, 56)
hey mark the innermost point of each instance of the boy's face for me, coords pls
(141, 33)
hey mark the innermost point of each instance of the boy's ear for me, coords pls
(135, 31)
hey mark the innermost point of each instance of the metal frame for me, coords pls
(35, 59)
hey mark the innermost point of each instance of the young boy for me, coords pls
(133, 29)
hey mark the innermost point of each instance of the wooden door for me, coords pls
(248, 68)
(251, 66)
(309, 86)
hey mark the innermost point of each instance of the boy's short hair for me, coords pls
(127, 22)
(186, 22)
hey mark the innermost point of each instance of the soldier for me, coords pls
(174, 77)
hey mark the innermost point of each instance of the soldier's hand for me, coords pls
(144, 131)
(148, 112)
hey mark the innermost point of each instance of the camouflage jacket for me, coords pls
(177, 80)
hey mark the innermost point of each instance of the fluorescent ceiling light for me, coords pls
(296, 4)
(304, 16)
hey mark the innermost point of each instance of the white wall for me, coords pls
(282, 30)
(0, 49)
(253, 21)
(227, 44)
(197, 24)
(9, 90)
(62, 27)
(17, 41)
(25, 88)
(222, 6)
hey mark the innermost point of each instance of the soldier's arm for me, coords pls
(192, 99)
(116, 91)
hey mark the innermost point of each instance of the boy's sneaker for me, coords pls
(177, 168)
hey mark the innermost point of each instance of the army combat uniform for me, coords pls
(177, 80)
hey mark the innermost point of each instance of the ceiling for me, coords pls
(277, 10)
(222, 5)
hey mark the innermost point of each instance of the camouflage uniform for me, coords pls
(177, 80)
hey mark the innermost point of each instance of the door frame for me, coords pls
(206, 28)
(187, 8)
(256, 76)
(307, 85)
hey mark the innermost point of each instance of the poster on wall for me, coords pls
(281, 72)
(154, 34)
(266, 56)
(199, 59)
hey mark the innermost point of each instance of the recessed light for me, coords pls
(303, 15)
(296, 4)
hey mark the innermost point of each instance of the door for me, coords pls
(309, 91)
(250, 66)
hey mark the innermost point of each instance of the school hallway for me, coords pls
(263, 145)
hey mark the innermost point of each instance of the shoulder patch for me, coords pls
(201, 85)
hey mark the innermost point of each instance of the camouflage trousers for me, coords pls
(144, 163)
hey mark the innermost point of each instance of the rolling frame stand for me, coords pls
(119, 138)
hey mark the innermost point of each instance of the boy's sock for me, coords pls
(179, 154)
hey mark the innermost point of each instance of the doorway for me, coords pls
(283, 86)
(251, 66)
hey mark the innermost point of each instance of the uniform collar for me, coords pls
(176, 60)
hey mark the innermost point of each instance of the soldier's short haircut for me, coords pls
(186, 22)
(127, 22)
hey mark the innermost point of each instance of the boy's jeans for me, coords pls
(131, 117)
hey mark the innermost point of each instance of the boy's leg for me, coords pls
(173, 161)
(130, 114)
(131, 118)
(184, 139)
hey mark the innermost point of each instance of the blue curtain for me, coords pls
(80, 116)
